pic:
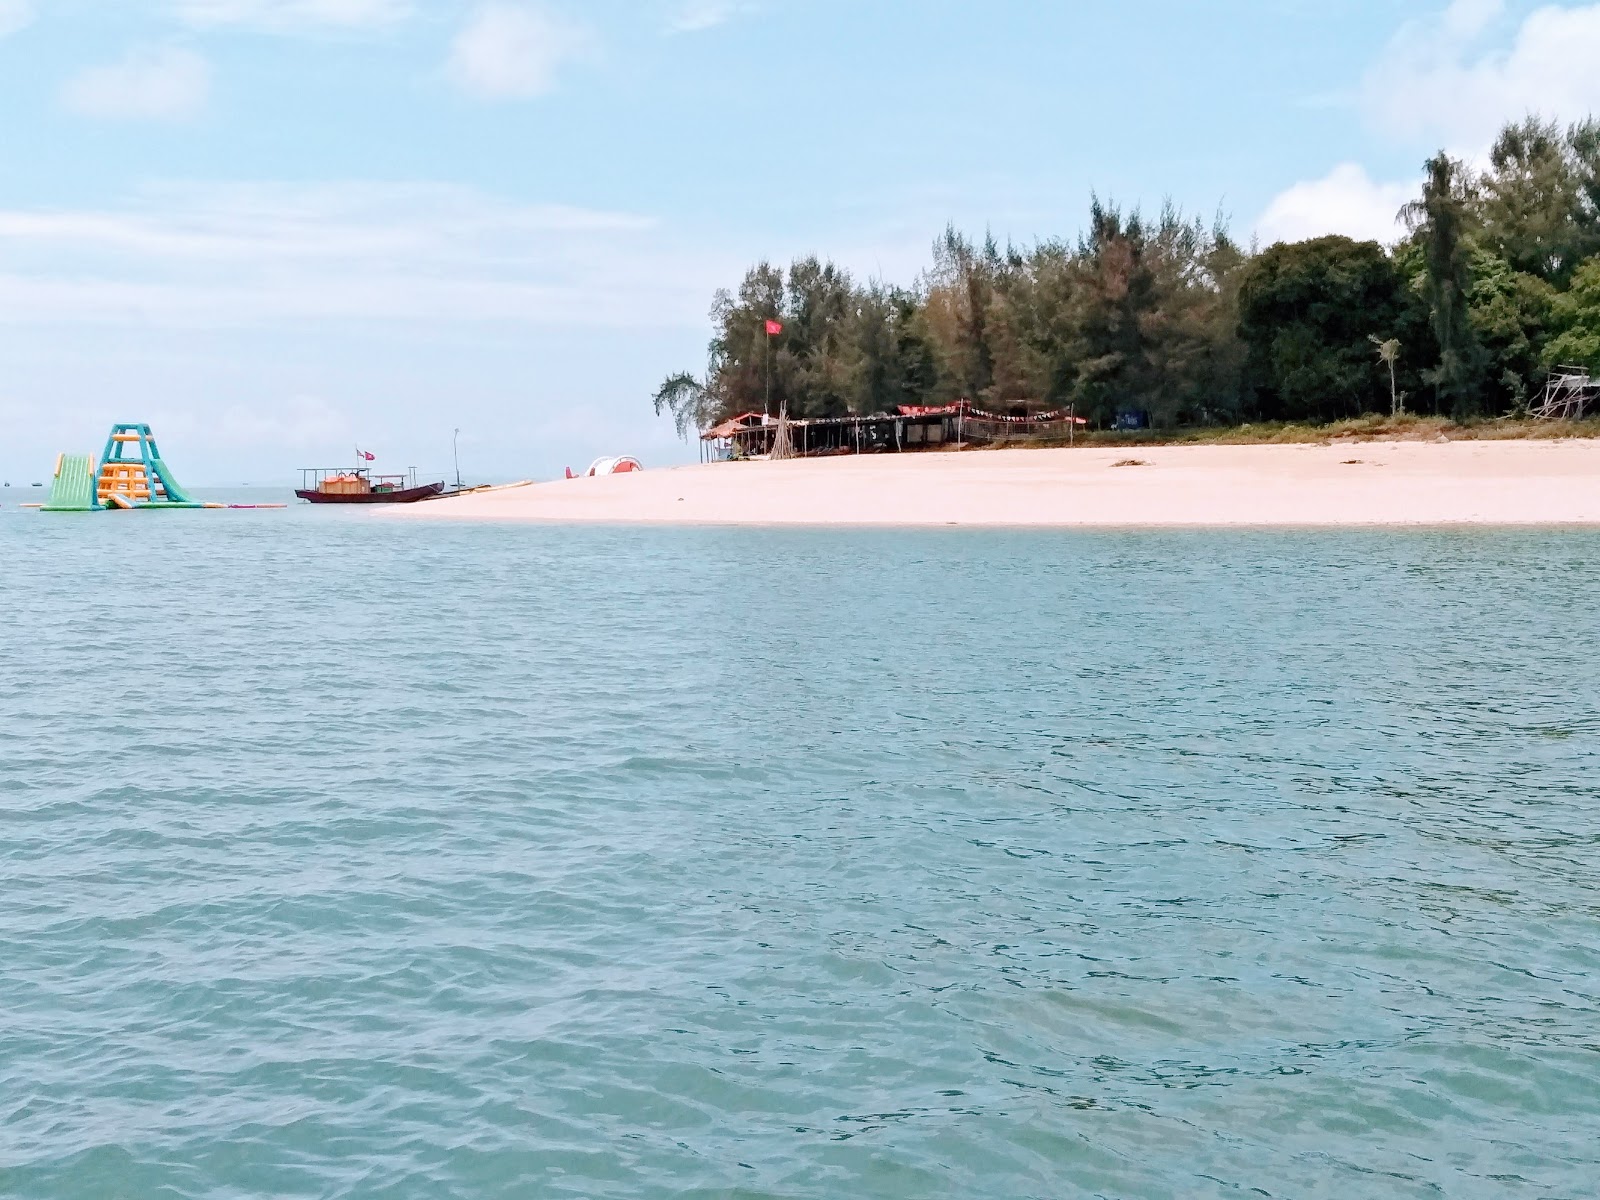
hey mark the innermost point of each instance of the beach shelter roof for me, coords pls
(733, 425)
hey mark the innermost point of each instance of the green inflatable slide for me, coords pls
(176, 497)
(73, 489)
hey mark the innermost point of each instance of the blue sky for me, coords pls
(279, 228)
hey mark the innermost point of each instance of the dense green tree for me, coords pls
(1017, 367)
(1150, 322)
(1439, 221)
(1419, 350)
(1510, 313)
(1530, 203)
(1307, 314)
(1048, 321)
(1194, 356)
(960, 291)
(1583, 152)
(1170, 317)
(1575, 321)
(815, 358)
(893, 363)
(1116, 291)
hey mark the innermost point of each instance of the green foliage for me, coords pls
(1498, 280)
(1307, 312)
(1529, 201)
(1507, 244)
(690, 402)
(1440, 222)
(1539, 201)
(1510, 313)
(1575, 321)
(1153, 328)
(1140, 314)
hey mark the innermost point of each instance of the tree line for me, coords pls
(1166, 316)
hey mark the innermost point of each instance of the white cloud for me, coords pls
(150, 83)
(1449, 79)
(1346, 201)
(513, 51)
(218, 223)
(203, 255)
(1467, 19)
(291, 15)
(15, 15)
(693, 16)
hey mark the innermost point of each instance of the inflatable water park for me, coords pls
(130, 476)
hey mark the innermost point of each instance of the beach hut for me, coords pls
(747, 434)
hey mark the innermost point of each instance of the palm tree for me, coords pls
(1389, 354)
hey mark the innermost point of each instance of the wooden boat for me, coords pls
(358, 485)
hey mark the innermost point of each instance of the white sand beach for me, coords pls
(1356, 483)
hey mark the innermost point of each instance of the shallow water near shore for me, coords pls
(347, 857)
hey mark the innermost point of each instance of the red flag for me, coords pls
(367, 456)
(774, 328)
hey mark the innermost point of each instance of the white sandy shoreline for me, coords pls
(1464, 483)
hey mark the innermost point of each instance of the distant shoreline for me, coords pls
(1346, 483)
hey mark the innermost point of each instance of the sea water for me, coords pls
(346, 856)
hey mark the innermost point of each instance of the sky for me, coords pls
(277, 230)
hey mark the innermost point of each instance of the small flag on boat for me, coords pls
(366, 456)
(774, 328)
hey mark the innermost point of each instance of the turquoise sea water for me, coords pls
(345, 857)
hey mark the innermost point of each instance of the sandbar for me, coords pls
(1400, 483)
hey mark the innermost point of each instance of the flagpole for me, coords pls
(769, 369)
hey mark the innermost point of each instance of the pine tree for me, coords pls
(1439, 220)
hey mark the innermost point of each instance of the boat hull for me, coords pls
(404, 496)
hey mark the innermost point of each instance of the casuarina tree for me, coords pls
(1439, 221)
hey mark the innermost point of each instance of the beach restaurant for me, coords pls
(909, 427)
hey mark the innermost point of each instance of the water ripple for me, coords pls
(366, 860)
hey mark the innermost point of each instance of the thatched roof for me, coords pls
(733, 425)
